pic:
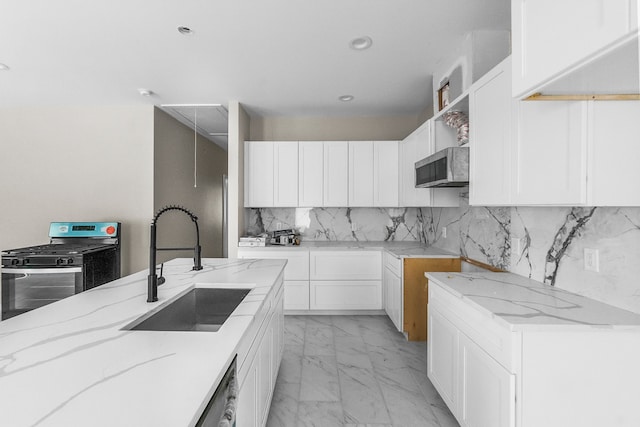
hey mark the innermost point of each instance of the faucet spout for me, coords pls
(153, 281)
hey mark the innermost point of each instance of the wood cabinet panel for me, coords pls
(416, 292)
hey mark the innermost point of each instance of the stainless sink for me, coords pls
(200, 309)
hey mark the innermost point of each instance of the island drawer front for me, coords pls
(256, 331)
(392, 263)
(297, 260)
(497, 340)
(345, 265)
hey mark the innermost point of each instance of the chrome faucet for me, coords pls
(153, 280)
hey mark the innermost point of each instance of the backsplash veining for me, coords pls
(544, 243)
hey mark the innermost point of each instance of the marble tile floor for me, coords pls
(348, 371)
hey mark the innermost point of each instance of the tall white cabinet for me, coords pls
(310, 173)
(336, 174)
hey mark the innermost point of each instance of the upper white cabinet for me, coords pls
(258, 174)
(613, 153)
(310, 173)
(550, 153)
(271, 174)
(385, 173)
(373, 173)
(285, 174)
(490, 108)
(571, 153)
(361, 173)
(574, 46)
(336, 174)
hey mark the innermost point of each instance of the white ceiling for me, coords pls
(276, 57)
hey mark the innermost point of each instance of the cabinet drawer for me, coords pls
(296, 295)
(392, 263)
(492, 337)
(346, 295)
(345, 265)
(297, 260)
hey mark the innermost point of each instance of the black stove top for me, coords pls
(49, 249)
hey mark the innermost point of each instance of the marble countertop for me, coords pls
(71, 363)
(397, 249)
(521, 303)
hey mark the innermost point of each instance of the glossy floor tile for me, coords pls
(353, 371)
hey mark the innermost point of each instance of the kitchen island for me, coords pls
(74, 362)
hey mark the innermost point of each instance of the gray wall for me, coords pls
(173, 172)
(334, 128)
(84, 163)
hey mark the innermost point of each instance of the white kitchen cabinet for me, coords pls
(345, 280)
(392, 285)
(552, 39)
(345, 265)
(614, 152)
(550, 153)
(442, 357)
(258, 368)
(310, 173)
(336, 174)
(495, 366)
(491, 122)
(259, 167)
(296, 273)
(393, 289)
(345, 295)
(285, 174)
(385, 173)
(271, 174)
(360, 173)
(487, 389)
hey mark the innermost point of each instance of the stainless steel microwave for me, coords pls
(446, 168)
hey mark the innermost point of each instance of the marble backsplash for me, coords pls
(544, 243)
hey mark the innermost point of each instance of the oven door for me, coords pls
(24, 289)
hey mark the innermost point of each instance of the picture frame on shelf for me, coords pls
(443, 96)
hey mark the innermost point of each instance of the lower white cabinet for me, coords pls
(346, 295)
(392, 290)
(296, 273)
(487, 390)
(263, 359)
(492, 372)
(478, 390)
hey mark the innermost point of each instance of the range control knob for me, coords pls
(15, 261)
(69, 260)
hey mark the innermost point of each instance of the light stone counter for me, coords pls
(521, 303)
(71, 363)
(397, 249)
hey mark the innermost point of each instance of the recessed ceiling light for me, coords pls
(361, 43)
(145, 92)
(4, 67)
(346, 98)
(185, 30)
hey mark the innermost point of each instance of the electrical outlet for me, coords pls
(592, 260)
(516, 245)
(353, 226)
(444, 232)
(279, 226)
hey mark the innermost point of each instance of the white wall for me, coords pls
(239, 124)
(77, 164)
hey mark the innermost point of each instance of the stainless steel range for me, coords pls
(79, 256)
